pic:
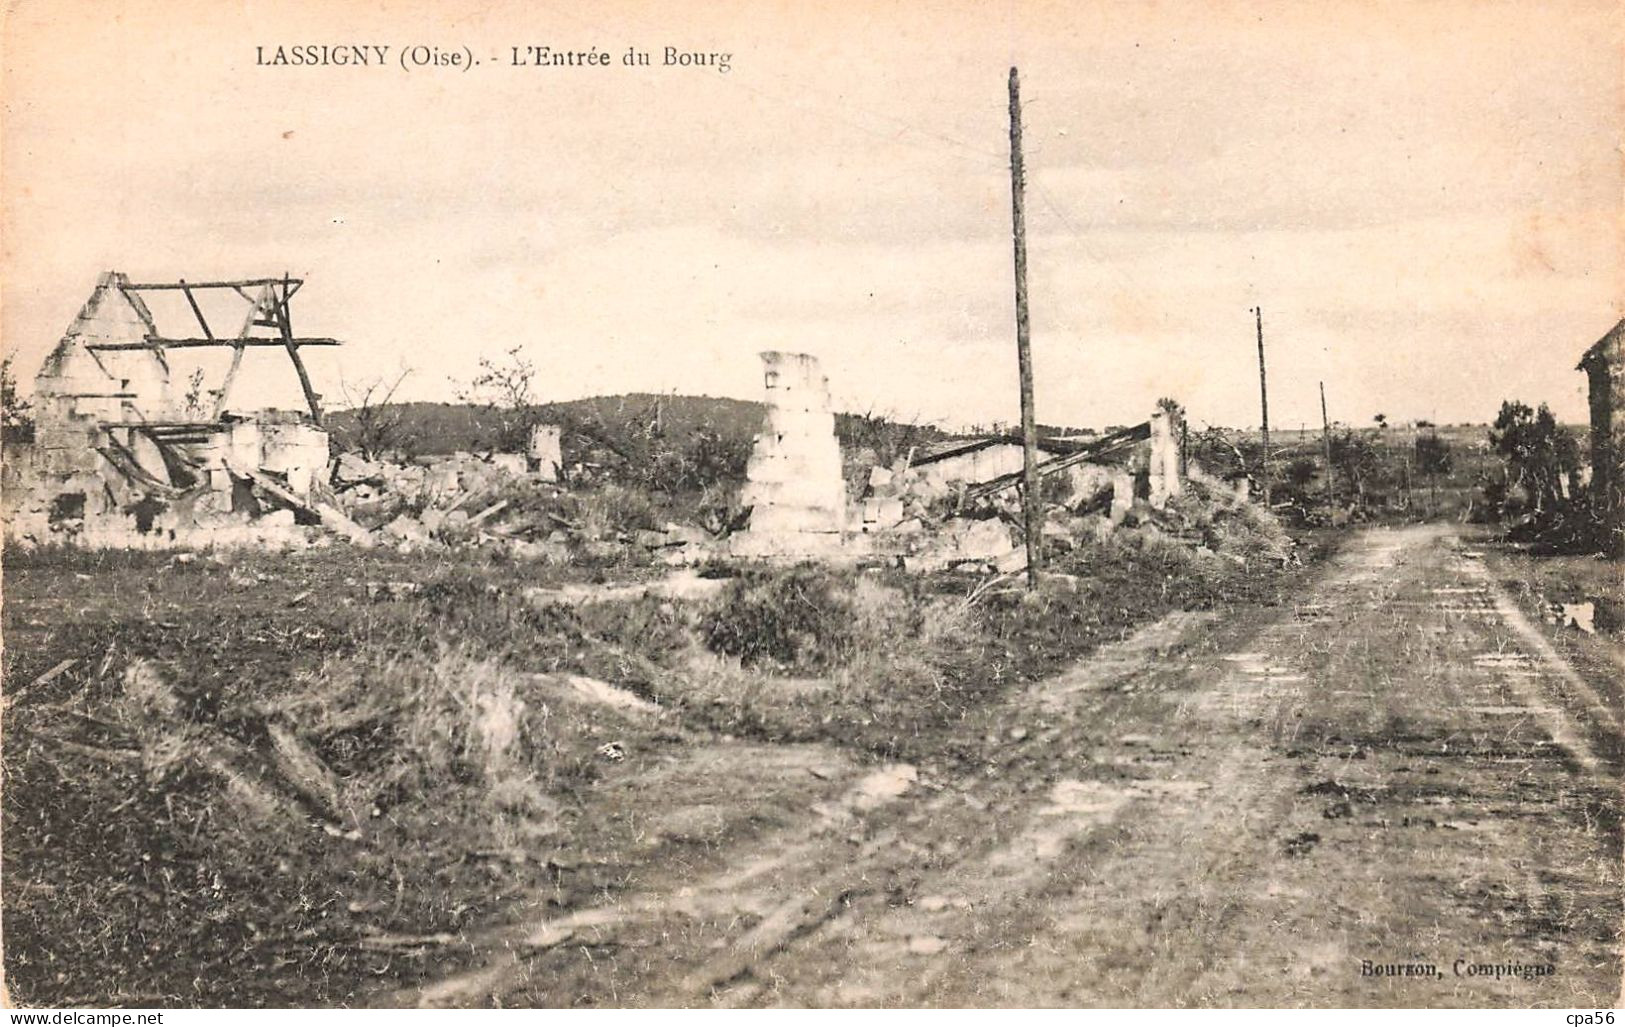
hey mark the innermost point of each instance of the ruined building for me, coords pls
(933, 507)
(1604, 365)
(123, 453)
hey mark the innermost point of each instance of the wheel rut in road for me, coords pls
(1220, 810)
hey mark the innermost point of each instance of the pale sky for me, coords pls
(1425, 198)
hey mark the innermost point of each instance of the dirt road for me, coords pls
(1373, 797)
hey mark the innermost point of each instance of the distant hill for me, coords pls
(435, 428)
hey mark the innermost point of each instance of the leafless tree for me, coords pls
(506, 387)
(378, 423)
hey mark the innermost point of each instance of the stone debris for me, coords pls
(953, 507)
(881, 786)
(382, 590)
(1581, 616)
(493, 500)
(926, 945)
(120, 460)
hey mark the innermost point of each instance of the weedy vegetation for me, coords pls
(300, 778)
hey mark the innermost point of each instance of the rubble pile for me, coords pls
(121, 458)
(926, 521)
(500, 501)
(945, 512)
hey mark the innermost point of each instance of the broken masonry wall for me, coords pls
(109, 385)
(299, 452)
(63, 475)
(1091, 480)
(545, 451)
(973, 467)
(793, 479)
(1163, 460)
(794, 484)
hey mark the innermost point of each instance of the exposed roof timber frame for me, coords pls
(255, 304)
(237, 283)
(197, 310)
(284, 321)
(1108, 444)
(273, 300)
(155, 340)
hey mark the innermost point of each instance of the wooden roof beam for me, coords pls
(200, 343)
(236, 283)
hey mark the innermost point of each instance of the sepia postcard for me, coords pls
(839, 505)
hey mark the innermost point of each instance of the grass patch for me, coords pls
(182, 856)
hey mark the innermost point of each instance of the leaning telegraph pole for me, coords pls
(1031, 510)
(1264, 403)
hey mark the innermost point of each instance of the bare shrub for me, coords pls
(377, 424)
(1229, 526)
(800, 619)
(454, 722)
(611, 509)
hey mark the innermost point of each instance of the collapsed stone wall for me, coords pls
(115, 485)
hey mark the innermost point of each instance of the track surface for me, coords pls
(1240, 811)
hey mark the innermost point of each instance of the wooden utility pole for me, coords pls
(1326, 440)
(1032, 511)
(1264, 404)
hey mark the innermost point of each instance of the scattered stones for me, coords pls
(1011, 562)
(926, 945)
(352, 468)
(409, 530)
(382, 590)
(884, 785)
(1582, 616)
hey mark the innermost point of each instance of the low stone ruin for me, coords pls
(956, 505)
